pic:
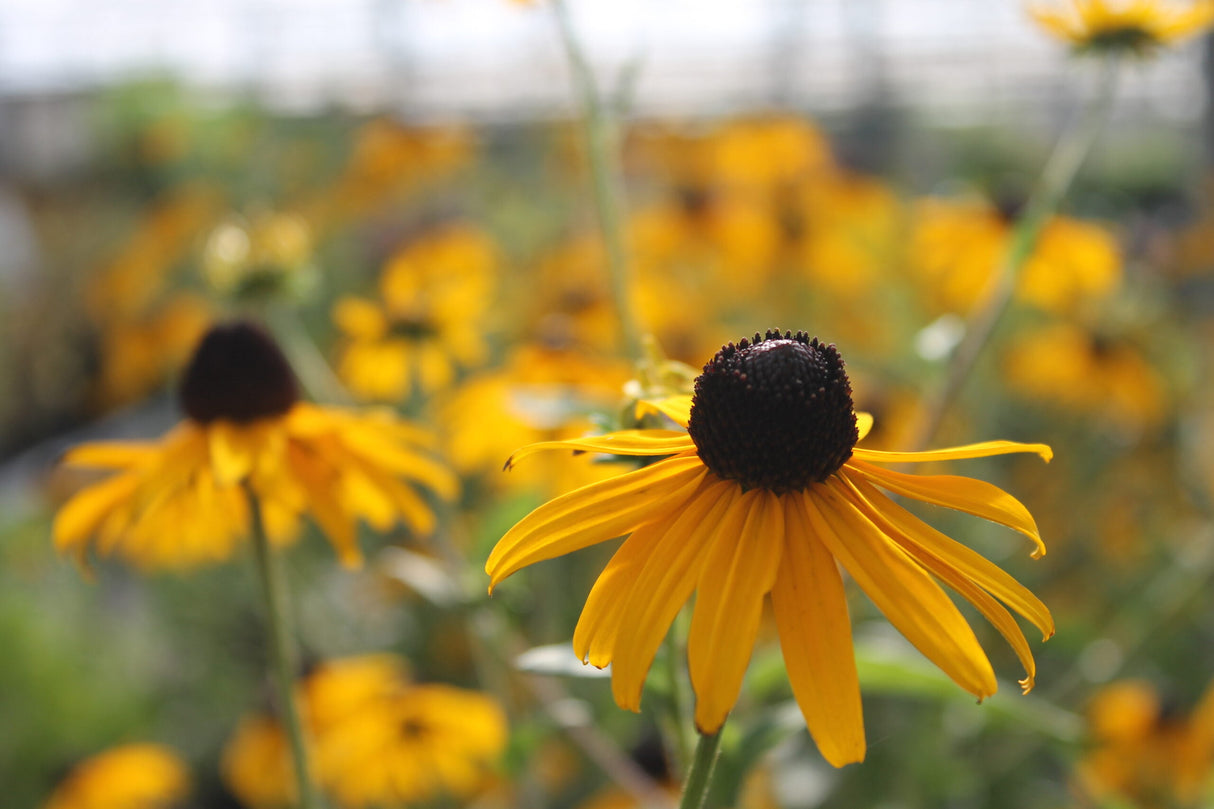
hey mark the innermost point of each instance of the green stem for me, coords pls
(699, 777)
(678, 720)
(601, 148)
(282, 649)
(1056, 178)
(315, 373)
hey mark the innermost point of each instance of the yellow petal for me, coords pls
(596, 630)
(624, 442)
(739, 570)
(972, 496)
(233, 452)
(594, 513)
(906, 529)
(984, 449)
(82, 514)
(810, 609)
(675, 408)
(360, 318)
(864, 424)
(991, 609)
(110, 454)
(338, 525)
(664, 584)
(900, 588)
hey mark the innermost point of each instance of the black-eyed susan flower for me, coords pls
(181, 501)
(1136, 27)
(132, 776)
(434, 294)
(763, 495)
(256, 764)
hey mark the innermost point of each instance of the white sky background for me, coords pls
(441, 58)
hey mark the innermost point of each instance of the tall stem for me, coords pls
(695, 791)
(601, 149)
(282, 649)
(1056, 178)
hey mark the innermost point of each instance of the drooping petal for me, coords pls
(624, 442)
(984, 449)
(908, 530)
(325, 507)
(596, 630)
(810, 609)
(991, 609)
(675, 408)
(233, 452)
(595, 513)
(739, 570)
(80, 517)
(664, 584)
(972, 496)
(900, 588)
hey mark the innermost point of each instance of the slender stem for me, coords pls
(678, 720)
(315, 373)
(695, 791)
(282, 649)
(601, 148)
(1056, 178)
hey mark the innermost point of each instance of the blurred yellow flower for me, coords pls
(378, 740)
(133, 776)
(180, 502)
(258, 255)
(1136, 27)
(435, 294)
(764, 494)
(1144, 754)
(1067, 366)
(958, 246)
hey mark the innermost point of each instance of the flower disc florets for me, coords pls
(775, 413)
(238, 373)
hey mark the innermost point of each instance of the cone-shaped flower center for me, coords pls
(774, 414)
(237, 374)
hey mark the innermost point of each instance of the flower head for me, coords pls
(181, 502)
(1136, 27)
(133, 776)
(763, 496)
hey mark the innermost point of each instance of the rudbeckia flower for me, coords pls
(181, 501)
(1138, 27)
(764, 495)
(133, 776)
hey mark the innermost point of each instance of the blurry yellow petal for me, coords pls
(982, 450)
(110, 454)
(972, 496)
(664, 584)
(233, 452)
(624, 442)
(360, 318)
(81, 515)
(864, 424)
(339, 526)
(675, 408)
(594, 513)
(900, 588)
(739, 569)
(810, 609)
(906, 529)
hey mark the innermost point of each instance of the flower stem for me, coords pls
(1055, 180)
(282, 648)
(601, 149)
(699, 777)
(679, 726)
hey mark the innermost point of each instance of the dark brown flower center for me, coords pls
(775, 413)
(237, 374)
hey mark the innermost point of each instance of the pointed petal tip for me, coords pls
(1026, 685)
(841, 758)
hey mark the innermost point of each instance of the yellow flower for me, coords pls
(256, 764)
(434, 292)
(958, 246)
(1067, 366)
(763, 494)
(1143, 754)
(258, 256)
(133, 776)
(1137, 27)
(180, 502)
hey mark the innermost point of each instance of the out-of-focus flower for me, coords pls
(133, 776)
(259, 256)
(378, 740)
(765, 493)
(256, 764)
(1067, 366)
(1144, 754)
(180, 502)
(957, 247)
(1120, 27)
(435, 294)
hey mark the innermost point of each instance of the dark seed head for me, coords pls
(237, 374)
(775, 413)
